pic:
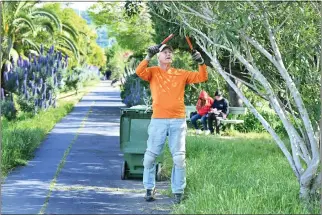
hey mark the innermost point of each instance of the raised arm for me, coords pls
(202, 74)
(143, 71)
(197, 77)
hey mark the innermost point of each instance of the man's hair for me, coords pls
(218, 93)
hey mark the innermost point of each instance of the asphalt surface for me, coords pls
(77, 169)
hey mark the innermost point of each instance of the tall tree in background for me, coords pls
(163, 27)
(277, 46)
(129, 23)
(83, 36)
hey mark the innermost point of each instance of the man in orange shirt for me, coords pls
(167, 86)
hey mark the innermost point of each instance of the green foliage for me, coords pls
(128, 23)
(23, 135)
(252, 124)
(135, 91)
(237, 175)
(26, 104)
(117, 59)
(78, 76)
(296, 30)
(21, 138)
(83, 35)
(8, 109)
(23, 22)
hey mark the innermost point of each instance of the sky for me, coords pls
(82, 5)
(76, 4)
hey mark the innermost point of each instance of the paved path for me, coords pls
(77, 169)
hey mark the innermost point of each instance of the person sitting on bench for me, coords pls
(218, 110)
(203, 107)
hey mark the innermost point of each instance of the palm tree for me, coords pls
(22, 21)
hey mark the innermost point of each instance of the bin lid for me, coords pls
(138, 108)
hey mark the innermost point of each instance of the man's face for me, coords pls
(165, 56)
(218, 97)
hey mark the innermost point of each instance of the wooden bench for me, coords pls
(232, 116)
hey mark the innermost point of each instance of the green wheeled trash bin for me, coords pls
(133, 141)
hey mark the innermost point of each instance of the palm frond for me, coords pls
(49, 14)
(31, 43)
(19, 7)
(47, 25)
(71, 44)
(70, 30)
(23, 19)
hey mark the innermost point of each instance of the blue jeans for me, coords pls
(203, 118)
(158, 130)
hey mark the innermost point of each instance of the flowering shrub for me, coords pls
(36, 81)
(79, 75)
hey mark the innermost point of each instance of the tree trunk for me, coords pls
(234, 99)
(320, 176)
(2, 66)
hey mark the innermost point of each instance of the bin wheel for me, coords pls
(124, 171)
(158, 172)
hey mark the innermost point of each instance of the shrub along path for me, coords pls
(77, 169)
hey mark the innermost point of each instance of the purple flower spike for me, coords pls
(25, 64)
(34, 90)
(27, 95)
(59, 56)
(44, 88)
(30, 84)
(55, 81)
(2, 93)
(41, 49)
(7, 67)
(6, 76)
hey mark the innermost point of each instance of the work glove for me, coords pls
(152, 50)
(196, 56)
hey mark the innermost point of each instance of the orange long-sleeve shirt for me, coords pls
(167, 88)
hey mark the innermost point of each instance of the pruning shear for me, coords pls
(189, 43)
(171, 36)
(173, 30)
(166, 40)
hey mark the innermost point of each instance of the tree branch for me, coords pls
(294, 91)
(267, 126)
(252, 87)
(294, 136)
(196, 13)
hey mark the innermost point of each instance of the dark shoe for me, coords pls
(150, 195)
(178, 198)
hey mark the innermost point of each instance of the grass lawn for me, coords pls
(240, 174)
(22, 136)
